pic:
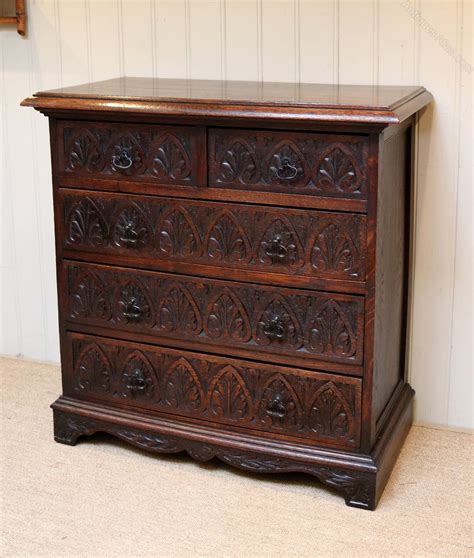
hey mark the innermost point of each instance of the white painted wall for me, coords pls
(366, 42)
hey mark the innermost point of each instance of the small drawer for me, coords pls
(285, 325)
(314, 406)
(156, 232)
(132, 152)
(305, 163)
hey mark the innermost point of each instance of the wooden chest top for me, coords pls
(381, 105)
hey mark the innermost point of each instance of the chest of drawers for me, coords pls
(233, 263)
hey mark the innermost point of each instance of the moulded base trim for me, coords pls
(359, 478)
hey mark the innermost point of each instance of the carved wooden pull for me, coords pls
(276, 408)
(132, 310)
(276, 249)
(275, 329)
(129, 236)
(286, 171)
(137, 381)
(123, 160)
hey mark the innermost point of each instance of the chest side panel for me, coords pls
(393, 221)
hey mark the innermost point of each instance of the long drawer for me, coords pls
(239, 238)
(250, 320)
(317, 407)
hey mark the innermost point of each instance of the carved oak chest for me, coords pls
(232, 263)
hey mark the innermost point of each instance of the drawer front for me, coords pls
(316, 244)
(138, 152)
(289, 162)
(302, 404)
(259, 320)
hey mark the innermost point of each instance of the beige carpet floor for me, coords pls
(102, 498)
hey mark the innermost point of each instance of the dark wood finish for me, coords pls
(239, 100)
(162, 154)
(320, 245)
(393, 219)
(300, 163)
(322, 407)
(359, 479)
(271, 332)
(238, 318)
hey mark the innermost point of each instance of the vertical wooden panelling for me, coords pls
(10, 326)
(22, 226)
(241, 61)
(357, 38)
(104, 15)
(204, 46)
(171, 41)
(396, 45)
(136, 37)
(370, 41)
(278, 32)
(316, 42)
(460, 403)
(74, 42)
(43, 46)
(437, 164)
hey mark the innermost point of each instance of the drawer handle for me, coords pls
(276, 408)
(275, 329)
(129, 236)
(132, 310)
(286, 171)
(123, 160)
(276, 249)
(137, 381)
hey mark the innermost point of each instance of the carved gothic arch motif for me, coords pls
(337, 170)
(279, 405)
(229, 397)
(279, 232)
(168, 157)
(86, 374)
(332, 250)
(132, 229)
(83, 152)
(133, 303)
(224, 319)
(330, 414)
(178, 311)
(330, 332)
(177, 234)
(125, 155)
(86, 224)
(239, 163)
(295, 171)
(182, 387)
(138, 379)
(89, 297)
(276, 323)
(226, 240)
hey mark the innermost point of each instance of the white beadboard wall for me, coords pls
(363, 42)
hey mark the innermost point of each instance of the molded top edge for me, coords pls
(351, 103)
